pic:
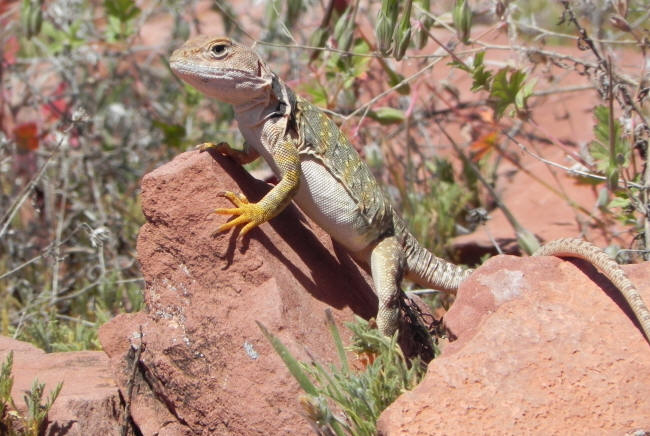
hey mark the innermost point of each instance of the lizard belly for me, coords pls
(322, 197)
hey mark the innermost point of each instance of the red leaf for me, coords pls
(483, 145)
(26, 136)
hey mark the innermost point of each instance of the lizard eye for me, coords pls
(219, 49)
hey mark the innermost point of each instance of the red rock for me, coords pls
(88, 403)
(541, 348)
(207, 366)
(541, 211)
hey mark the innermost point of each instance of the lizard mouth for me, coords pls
(205, 72)
(230, 85)
(209, 80)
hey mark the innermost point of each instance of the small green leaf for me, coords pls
(522, 95)
(173, 133)
(387, 115)
(342, 24)
(481, 77)
(386, 22)
(31, 14)
(505, 90)
(619, 202)
(612, 175)
(120, 18)
(461, 65)
(123, 10)
(293, 12)
(360, 64)
(384, 34)
(402, 35)
(317, 93)
(402, 43)
(318, 38)
(527, 241)
(192, 95)
(599, 148)
(478, 59)
(462, 15)
(394, 78)
(422, 30)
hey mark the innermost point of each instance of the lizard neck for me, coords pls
(276, 101)
(263, 122)
(253, 113)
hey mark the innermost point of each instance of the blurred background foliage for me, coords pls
(89, 105)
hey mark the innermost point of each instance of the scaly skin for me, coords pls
(575, 247)
(322, 173)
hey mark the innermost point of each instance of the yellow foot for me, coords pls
(221, 147)
(250, 214)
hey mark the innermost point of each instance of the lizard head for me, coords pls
(222, 69)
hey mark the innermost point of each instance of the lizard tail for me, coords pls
(426, 269)
(582, 249)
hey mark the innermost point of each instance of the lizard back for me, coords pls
(321, 140)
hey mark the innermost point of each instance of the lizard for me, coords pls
(320, 170)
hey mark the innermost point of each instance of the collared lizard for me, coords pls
(322, 173)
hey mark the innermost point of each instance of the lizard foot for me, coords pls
(250, 214)
(221, 147)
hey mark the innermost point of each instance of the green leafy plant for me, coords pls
(343, 401)
(121, 14)
(36, 410)
(507, 87)
(609, 149)
(6, 383)
(75, 140)
(480, 75)
(612, 155)
(32, 423)
(55, 336)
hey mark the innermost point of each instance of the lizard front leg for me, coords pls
(246, 156)
(251, 215)
(386, 266)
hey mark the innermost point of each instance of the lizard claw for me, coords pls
(247, 213)
(235, 199)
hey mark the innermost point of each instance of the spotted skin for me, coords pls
(322, 173)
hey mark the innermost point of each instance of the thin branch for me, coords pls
(551, 91)
(14, 208)
(547, 32)
(571, 171)
(379, 96)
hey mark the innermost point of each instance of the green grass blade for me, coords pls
(337, 341)
(292, 364)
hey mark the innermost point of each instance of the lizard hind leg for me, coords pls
(386, 265)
